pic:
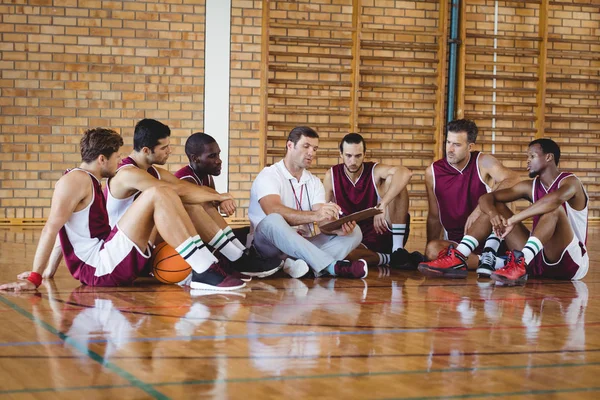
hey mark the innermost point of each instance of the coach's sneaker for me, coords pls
(351, 269)
(295, 268)
(487, 264)
(449, 264)
(214, 278)
(514, 272)
(253, 265)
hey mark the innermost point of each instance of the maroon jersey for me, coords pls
(188, 172)
(457, 193)
(94, 254)
(353, 197)
(578, 219)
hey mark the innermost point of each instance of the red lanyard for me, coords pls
(298, 203)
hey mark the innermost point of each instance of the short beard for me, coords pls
(533, 174)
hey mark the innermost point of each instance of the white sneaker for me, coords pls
(295, 268)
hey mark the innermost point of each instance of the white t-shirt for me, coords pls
(276, 179)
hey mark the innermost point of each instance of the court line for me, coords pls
(135, 382)
(318, 356)
(499, 394)
(357, 375)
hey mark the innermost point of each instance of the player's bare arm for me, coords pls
(328, 186)
(434, 226)
(487, 203)
(72, 193)
(400, 177)
(496, 175)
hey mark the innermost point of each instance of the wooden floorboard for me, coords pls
(393, 335)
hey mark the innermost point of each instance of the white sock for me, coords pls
(398, 233)
(492, 243)
(195, 253)
(225, 247)
(231, 236)
(467, 245)
(383, 258)
(532, 247)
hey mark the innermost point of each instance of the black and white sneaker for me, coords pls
(214, 278)
(403, 260)
(253, 265)
(487, 264)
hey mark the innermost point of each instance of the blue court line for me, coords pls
(355, 375)
(135, 382)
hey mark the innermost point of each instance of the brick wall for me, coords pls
(68, 65)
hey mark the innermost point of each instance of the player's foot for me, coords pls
(351, 269)
(255, 266)
(214, 278)
(449, 264)
(487, 264)
(403, 260)
(295, 268)
(514, 272)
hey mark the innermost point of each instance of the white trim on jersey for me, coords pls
(487, 188)
(438, 203)
(375, 183)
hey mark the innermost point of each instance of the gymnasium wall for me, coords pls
(377, 67)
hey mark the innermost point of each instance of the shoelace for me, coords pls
(444, 254)
(218, 269)
(488, 259)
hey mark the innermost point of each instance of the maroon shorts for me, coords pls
(573, 264)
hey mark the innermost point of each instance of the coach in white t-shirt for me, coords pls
(287, 203)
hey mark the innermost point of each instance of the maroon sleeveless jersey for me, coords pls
(457, 193)
(129, 161)
(188, 172)
(353, 197)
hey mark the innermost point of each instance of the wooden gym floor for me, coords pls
(392, 335)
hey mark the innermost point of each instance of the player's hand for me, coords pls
(379, 221)
(472, 218)
(346, 229)
(328, 212)
(23, 285)
(225, 197)
(498, 224)
(509, 225)
(227, 207)
(23, 275)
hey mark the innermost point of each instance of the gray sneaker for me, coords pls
(487, 265)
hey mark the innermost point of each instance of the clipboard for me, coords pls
(357, 216)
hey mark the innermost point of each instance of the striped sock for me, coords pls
(467, 245)
(231, 236)
(383, 258)
(532, 247)
(224, 246)
(492, 243)
(195, 253)
(398, 232)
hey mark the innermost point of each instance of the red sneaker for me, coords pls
(449, 264)
(514, 272)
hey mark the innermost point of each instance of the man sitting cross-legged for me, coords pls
(97, 255)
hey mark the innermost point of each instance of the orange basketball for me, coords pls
(167, 265)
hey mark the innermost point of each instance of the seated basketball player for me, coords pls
(454, 185)
(555, 247)
(286, 201)
(97, 255)
(203, 153)
(139, 172)
(356, 185)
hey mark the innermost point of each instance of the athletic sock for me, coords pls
(194, 252)
(398, 233)
(492, 243)
(532, 247)
(223, 245)
(467, 245)
(383, 258)
(231, 236)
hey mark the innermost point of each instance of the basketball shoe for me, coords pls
(252, 264)
(215, 278)
(449, 264)
(351, 269)
(487, 264)
(514, 272)
(403, 260)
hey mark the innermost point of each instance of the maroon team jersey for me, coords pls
(350, 196)
(188, 172)
(457, 193)
(129, 161)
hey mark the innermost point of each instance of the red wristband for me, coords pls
(35, 278)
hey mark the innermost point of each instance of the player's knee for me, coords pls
(433, 248)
